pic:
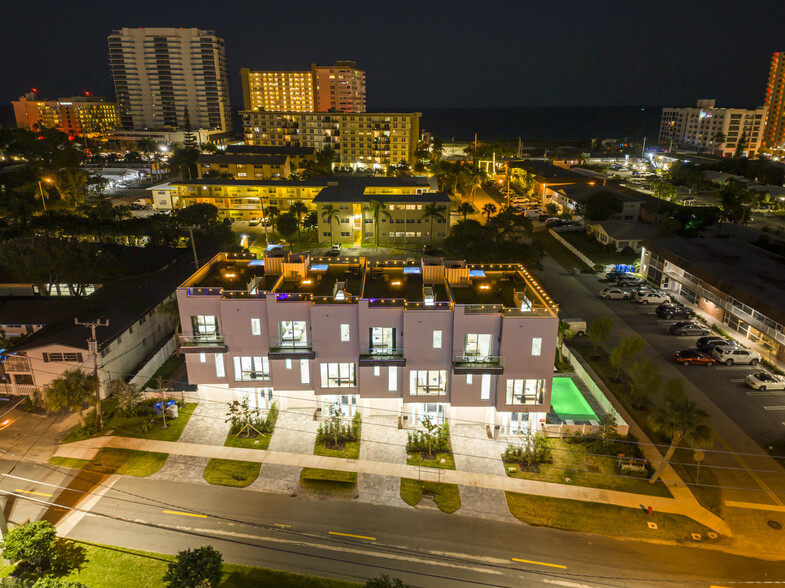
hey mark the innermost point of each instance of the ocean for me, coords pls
(541, 124)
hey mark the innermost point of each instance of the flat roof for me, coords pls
(265, 150)
(356, 193)
(748, 273)
(581, 192)
(545, 169)
(243, 159)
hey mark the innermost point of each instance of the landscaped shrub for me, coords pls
(248, 422)
(533, 449)
(336, 432)
(433, 438)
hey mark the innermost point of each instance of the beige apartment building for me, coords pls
(89, 116)
(360, 140)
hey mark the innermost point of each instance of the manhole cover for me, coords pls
(774, 525)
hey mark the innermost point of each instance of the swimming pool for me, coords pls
(568, 402)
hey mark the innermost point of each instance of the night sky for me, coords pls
(431, 54)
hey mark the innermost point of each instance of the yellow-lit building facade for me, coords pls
(245, 167)
(76, 116)
(360, 140)
(290, 91)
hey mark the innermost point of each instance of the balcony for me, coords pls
(201, 344)
(477, 364)
(287, 349)
(381, 356)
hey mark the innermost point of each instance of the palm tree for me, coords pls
(719, 139)
(329, 213)
(475, 178)
(432, 211)
(72, 391)
(679, 419)
(298, 209)
(378, 209)
(489, 210)
(273, 212)
(465, 209)
(146, 145)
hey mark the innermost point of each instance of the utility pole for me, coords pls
(643, 150)
(193, 247)
(92, 346)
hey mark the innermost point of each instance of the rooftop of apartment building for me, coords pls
(242, 158)
(429, 283)
(581, 192)
(264, 150)
(343, 182)
(546, 170)
(748, 273)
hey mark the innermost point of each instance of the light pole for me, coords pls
(41, 190)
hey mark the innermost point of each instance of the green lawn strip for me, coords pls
(563, 256)
(127, 462)
(351, 450)
(446, 496)
(131, 426)
(165, 372)
(706, 488)
(570, 460)
(117, 567)
(329, 482)
(257, 442)
(230, 472)
(416, 460)
(606, 519)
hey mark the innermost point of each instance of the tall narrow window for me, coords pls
(220, 371)
(382, 339)
(437, 339)
(485, 387)
(345, 333)
(469, 379)
(392, 378)
(288, 364)
(537, 346)
(203, 357)
(256, 326)
(204, 326)
(377, 370)
(305, 371)
(248, 369)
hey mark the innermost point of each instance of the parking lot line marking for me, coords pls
(185, 514)
(35, 493)
(539, 563)
(353, 536)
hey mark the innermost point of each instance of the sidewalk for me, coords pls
(690, 508)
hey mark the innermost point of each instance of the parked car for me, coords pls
(707, 344)
(652, 298)
(674, 311)
(765, 381)
(692, 357)
(630, 282)
(690, 328)
(616, 276)
(614, 293)
(255, 221)
(729, 355)
(335, 249)
(558, 222)
(533, 213)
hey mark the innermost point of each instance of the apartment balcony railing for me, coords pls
(381, 356)
(288, 349)
(201, 343)
(478, 364)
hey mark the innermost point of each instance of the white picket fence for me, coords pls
(156, 361)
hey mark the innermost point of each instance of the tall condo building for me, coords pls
(162, 73)
(717, 130)
(774, 134)
(326, 88)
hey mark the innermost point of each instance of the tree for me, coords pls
(598, 332)
(378, 209)
(385, 581)
(735, 196)
(329, 214)
(432, 211)
(311, 221)
(208, 147)
(489, 210)
(72, 391)
(474, 178)
(288, 226)
(217, 175)
(72, 185)
(201, 215)
(273, 213)
(32, 543)
(625, 352)
(552, 208)
(298, 209)
(127, 396)
(437, 148)
(680, 420)
(431, 433)
(718, 139)
(601, 205)
(645, 376)
(146, 145)
(465, 209)
(195, 568)
(741, 146)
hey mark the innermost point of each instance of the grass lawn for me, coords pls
(117, 461)
(350, 451)
(117, 567)
(446, 496)
(165, 372)
(329, 482)
(258, 442)
(416, 460)
(606, 519)
(130, 426)
(708, 493)
(560, 254)
(229, 472)
(570, 460)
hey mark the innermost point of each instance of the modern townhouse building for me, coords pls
(715, 130)
(359, 140)
(447, 339)
(244, 199)
(160, 74)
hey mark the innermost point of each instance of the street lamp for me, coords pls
(41, 189)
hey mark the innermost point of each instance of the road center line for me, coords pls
(282, 526)
(35, 493)
(185, 514)
(539, 563)
(353, 536)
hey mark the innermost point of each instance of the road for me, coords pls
(354, 541)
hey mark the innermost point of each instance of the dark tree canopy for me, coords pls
(601, 205)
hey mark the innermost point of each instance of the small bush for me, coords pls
(336, 431)
(532, 450)
(31, 543)
(433, 438)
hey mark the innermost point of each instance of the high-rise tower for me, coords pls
(774, 133)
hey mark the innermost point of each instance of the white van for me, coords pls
(576, 325)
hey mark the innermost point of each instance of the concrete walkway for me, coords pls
(381, 440)
(690, 508)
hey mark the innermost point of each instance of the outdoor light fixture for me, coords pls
(306, 282)
(485, 287)
(396, 283)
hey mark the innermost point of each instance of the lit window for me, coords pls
(256, 326)
(392, 378)
(537, 346)
(338, 375)
(437, 339)
(525, 391)
(485, 387)
(427, 382)
(305, 372)
(345, 332)
(219, 366)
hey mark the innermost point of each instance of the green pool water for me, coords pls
(568, 402)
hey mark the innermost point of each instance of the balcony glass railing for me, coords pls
(201, 341)
(381, 353)
(283, 345)
(469, 360)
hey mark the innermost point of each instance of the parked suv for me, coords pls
(652, 298)
(689, 328)
(729, 354)
(630, 282)
(674, 311)
(707, 344)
